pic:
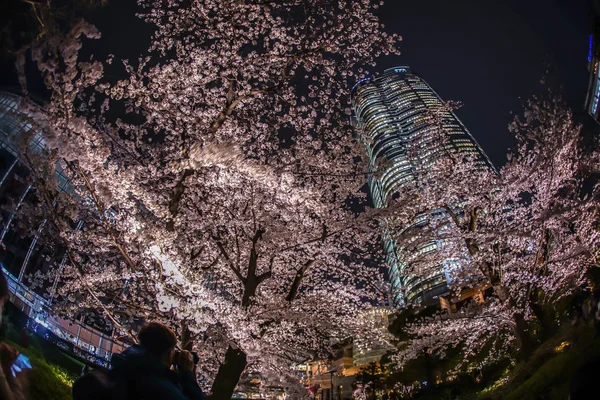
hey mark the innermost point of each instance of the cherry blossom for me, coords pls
(220, 200)
(528, 232)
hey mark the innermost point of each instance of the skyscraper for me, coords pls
(593, 93)
(393, 114)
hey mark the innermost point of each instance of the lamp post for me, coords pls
(331, 382)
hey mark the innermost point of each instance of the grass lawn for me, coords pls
(46, 380)
(547, 374)
(53, 371)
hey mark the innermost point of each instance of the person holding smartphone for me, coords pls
(11, 362)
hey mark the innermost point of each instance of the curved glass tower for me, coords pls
(23, 255)
(393, 114)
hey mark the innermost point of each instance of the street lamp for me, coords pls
(331, 382)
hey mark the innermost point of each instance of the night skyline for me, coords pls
(491, 56)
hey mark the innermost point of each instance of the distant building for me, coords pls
(333, 379)
(593, 57)
(394, 116)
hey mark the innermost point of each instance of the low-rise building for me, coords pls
(333, 379)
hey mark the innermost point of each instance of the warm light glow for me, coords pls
(561, 347)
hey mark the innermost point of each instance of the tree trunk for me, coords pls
(429, 369)
(249, 290)
(524, 339)
(229, 374)
(252, 281)
(186, 338)
(547, 327)
(231, 369)
(520, 329)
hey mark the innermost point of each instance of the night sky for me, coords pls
(490, 55)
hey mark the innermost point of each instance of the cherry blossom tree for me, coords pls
(220, 201)
(528, 232)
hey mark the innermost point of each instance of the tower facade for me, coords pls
(394, 116)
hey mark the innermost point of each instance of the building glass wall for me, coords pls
(593, 91)
(393, 114)
(23, 255)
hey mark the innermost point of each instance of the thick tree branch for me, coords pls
(235, 270)
(453, 216)
(176, 197)
(298, 280)
(82, 274)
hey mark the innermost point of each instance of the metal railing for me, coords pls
(73, 336)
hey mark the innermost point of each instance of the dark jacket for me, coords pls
(148, 379)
